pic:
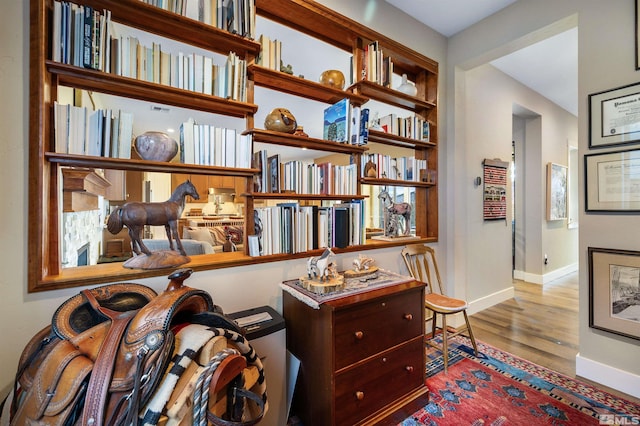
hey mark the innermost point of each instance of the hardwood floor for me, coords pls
(539, 324)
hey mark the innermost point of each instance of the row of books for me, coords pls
(396, 168)
(292, 228)
(377, 67)
(323, 178)
(99, 133)
(346, 123)
(412, 127)
(235, 16)
(270, 53)
(194, 72)
(208, 145)
(83, 37)
(302, 177)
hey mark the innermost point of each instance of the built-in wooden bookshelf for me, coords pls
(311, 18)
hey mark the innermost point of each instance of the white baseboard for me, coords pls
(490, 300)
(612, 377)
(546, 278)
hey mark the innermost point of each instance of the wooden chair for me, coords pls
(421, 262)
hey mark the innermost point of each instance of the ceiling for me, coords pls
(550, 67)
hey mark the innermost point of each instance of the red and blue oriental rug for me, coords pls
(497, 388)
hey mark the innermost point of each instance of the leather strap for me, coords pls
(93, 413)
(239, 393)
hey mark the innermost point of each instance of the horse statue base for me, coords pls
(368, 273)
(317, 286)
(157, 260)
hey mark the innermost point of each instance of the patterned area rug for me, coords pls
(497, 388)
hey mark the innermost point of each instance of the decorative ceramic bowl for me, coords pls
(156, 146)
(280, 120)
(332, 78)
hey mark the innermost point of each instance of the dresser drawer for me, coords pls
(366, 329)
(367, 388)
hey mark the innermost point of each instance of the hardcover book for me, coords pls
(336, 121)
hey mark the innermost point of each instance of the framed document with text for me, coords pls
(613, 181)
(614, 116)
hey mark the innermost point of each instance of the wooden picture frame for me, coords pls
(614, 116)
(494, 198)
(637, 44)
(614, 291)
(274, 173)
(611, 181)
(556, 191)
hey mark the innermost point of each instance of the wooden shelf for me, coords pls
(283, 82)
(286, 139)
(296, 196)
(393, 182)
(390, 96)
(395, 140)
(142, 165)
(87, 79)
(308, 17)
(137, 14)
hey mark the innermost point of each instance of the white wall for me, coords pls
(490, 99)
(606, 60)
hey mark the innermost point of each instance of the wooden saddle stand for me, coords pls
(121, 354)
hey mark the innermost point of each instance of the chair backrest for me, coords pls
(422, 265)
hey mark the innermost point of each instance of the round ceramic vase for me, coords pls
(156, 146)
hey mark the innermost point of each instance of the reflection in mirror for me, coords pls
(374, 218)
(90, 195)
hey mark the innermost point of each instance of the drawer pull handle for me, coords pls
(408, 317)
(409, 368)
(359, 335)
(359, 395)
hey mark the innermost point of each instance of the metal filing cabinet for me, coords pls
(265, 330)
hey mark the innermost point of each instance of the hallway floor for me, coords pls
(539, 324)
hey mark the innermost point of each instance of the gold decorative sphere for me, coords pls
(332, 78)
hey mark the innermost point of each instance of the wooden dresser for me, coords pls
(362, 356)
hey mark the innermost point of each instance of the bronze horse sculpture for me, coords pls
(392, 212)
(135, 215)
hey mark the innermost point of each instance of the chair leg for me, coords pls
(473, 340)
(434, 320)
(445, 343)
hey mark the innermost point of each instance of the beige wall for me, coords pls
(489, 102)
(606, 60)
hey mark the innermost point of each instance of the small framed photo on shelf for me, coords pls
(556, 192)
(614, 116)
(612, 181)
(274, 173)
(614, 291)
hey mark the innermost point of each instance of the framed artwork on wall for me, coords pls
(556, 191)
(612, 181)
(495, 189)
(637, 36)
(614, 291)
(614, 116)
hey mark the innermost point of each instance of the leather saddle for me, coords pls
(104, 353)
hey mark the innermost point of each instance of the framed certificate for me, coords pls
(614, 116)
(613, 181)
